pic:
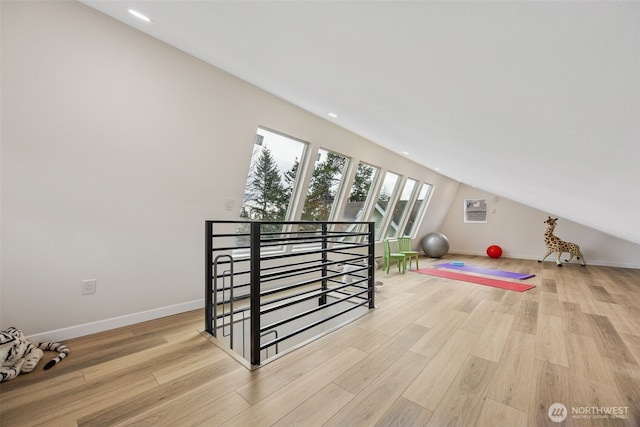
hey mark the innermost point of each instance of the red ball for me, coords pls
(494, 251)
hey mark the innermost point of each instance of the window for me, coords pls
(401, 208)
(272, 177)
(417, 210)
(387, 192)
(475, 210)
(356, 204)
(323, 187)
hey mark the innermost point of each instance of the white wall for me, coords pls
(519, 231)
(115, 150)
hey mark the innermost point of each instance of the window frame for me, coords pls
(422, 210)
(384, 223)
(409, 205)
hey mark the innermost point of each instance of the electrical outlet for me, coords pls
(89, 286)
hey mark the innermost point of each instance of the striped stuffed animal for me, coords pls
(18, 355)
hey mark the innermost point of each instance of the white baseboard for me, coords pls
(115, 322)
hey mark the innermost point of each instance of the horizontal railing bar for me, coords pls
(289, 273)
(291, 296)
(295, 238)
(308, 265)
(317, 231)
(355, 263)
(355, 282)
(272, 245)
(283, 289)
(312, 325)
(231, 235)
(319, 263)
(346, 251)
(357, 223)
(358, 267)
(302, 253)
(243, 285)
(274, 235)
(341, 247)
(273, 301)
(359, 280)
(310, 236)
(311, 311)
(307, 241)
(238, 273)
(310, 294)
(341, 251)
(297, 285)
(305, 313)
(235, 298)
(275, 291)
(289, 287)
(316, 293)
(274, 267)
(240, 310)
(229, 248)
(353, 295)
(292, 254)
(346, 243)
(304, 222)
(237, 261)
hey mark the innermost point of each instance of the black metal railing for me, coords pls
(286, 282)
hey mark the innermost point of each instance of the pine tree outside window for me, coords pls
(356, 205)
(324, 187)
(272, 179)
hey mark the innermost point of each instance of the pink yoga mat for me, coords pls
(502, 284)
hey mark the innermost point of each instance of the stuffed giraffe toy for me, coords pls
(555, 244)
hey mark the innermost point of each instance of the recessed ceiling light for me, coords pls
(406, 153)
(437, 169)
(139, 15)
(334, 115)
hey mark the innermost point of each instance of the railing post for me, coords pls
(372, 273)
(323, 298)
(208, 286)
(255, 293)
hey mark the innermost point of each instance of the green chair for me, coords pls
(405, 247)
(389, 256)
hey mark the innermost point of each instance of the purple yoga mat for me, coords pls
(501, 273)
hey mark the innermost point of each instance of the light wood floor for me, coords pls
(436, 352)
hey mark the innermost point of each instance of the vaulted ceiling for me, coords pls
(538, 102)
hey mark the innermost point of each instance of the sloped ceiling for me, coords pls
(538, 102)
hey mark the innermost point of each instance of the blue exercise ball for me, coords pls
(435, 245)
